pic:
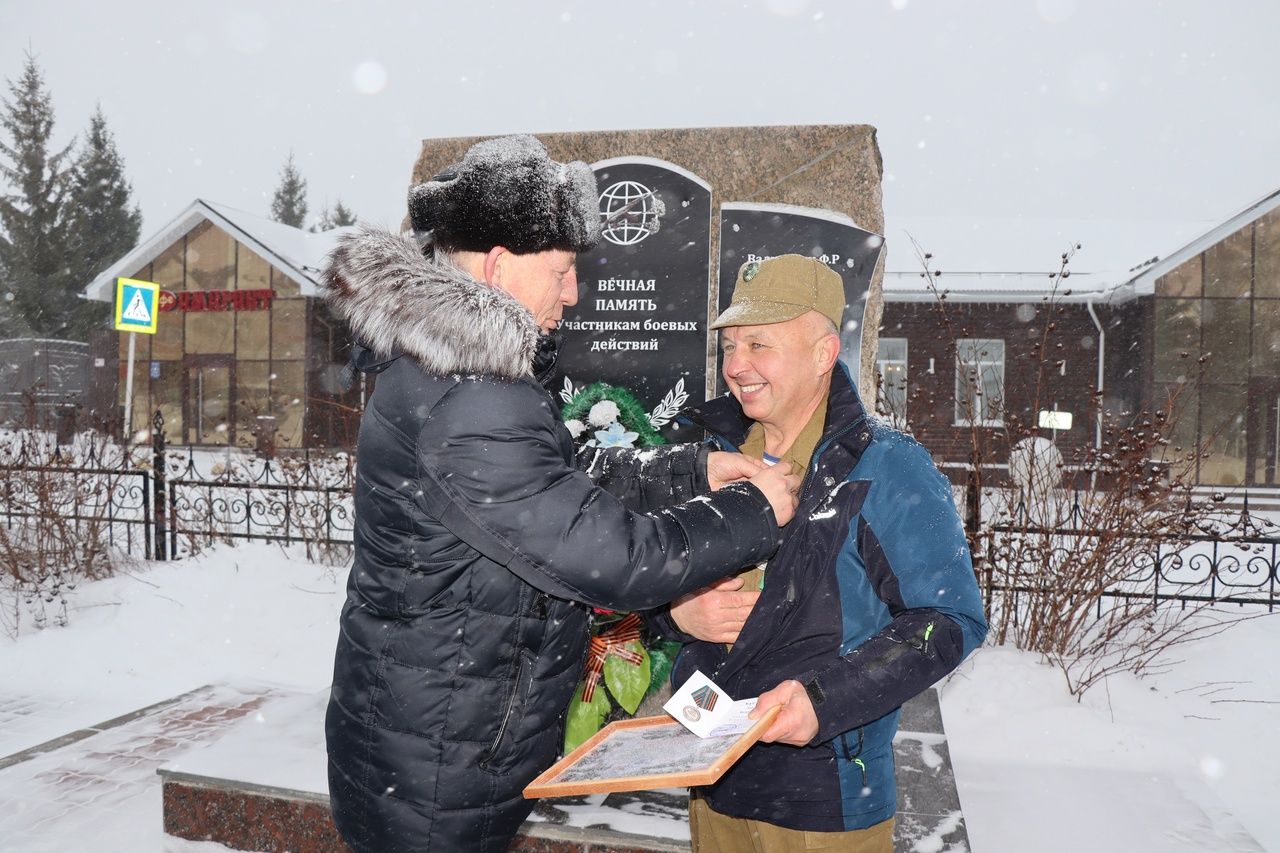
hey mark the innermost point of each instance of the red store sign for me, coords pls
(216, 300)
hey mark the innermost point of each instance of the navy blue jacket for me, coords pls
(479, 537)
(870, 600)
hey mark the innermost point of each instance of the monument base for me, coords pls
(243, 816)
(262, 787)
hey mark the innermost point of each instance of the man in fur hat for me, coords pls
(477, 540)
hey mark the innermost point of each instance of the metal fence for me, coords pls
(215, 497)
(162, 504)
(1228, 556)
(84, 485)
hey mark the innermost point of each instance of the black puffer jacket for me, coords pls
(477, 537)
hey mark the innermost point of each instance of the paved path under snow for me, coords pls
(96, 788)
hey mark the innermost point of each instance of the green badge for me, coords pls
(750, 270)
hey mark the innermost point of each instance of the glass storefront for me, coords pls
(220, 370)
(1217, 352)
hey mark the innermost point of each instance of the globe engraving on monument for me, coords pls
(629, 212)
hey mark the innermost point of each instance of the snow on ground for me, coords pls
(251, 613)
(1146, 764)
(1173, 762)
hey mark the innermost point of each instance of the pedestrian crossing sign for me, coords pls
(137, 305)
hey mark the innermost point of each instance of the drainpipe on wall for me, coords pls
(1102, 355)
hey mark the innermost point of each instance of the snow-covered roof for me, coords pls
(993, 287)
(296, 253)
(1143, 282)
(1009, 259)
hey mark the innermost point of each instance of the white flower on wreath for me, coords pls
(575, 427)
(603, 413)
(616, 436)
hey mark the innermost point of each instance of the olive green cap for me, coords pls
(781, 289)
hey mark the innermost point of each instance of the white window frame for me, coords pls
(980, 359)
(896, 417)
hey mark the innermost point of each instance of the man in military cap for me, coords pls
(870, 599)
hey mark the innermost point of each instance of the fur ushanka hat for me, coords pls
(508, 192)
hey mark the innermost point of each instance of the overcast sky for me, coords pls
(1079, 109)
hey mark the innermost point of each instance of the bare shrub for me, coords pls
(58, 504)
(320, 512)
(1110, 575)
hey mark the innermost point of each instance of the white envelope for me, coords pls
(706, 710)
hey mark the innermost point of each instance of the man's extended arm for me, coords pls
(501, 485)
(650, 478)
(653, 477)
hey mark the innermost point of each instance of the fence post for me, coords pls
(973, 505)
(158, 499)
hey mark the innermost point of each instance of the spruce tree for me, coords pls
(339, 217)
(342, 215)
(104, 226)
(289, 204)
(38, 295)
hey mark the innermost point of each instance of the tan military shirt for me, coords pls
(798, 454)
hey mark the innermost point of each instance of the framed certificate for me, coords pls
(647, 752)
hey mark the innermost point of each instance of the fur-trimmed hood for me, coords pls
(397, 301)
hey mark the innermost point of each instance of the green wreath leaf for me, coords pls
(584, 718)
(628, 682)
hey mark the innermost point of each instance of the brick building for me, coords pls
(1198, 324)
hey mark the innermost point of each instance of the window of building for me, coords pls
(252, 272)
(1225, 336)
(1267, 261)
(169, 269)
(287, 403)
(1266, 339)
(1177, 339)
(891, 364)
(210, 332)
(253, 334)
(288, 329)
(979, 382)
(211, 258)
(283, 285)
(1217, 332)
(167, 342)
(1228, 265)
(253, 400)
(1222, 434)
(1183, 281)
(1182, 400)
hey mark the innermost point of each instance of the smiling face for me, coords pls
(779, 372)
(544, 282)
